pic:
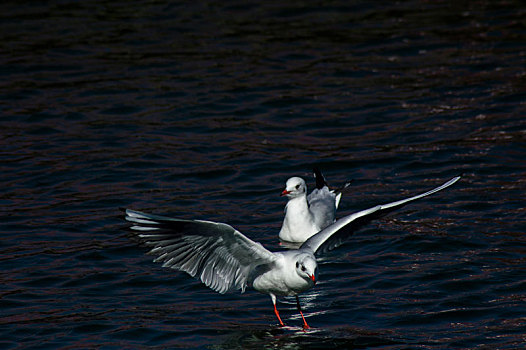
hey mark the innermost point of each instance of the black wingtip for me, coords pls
(320, 180)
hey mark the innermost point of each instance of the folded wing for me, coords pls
(216, 253)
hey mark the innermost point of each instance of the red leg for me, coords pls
(277, 314)
(273, 297)
(305, 325)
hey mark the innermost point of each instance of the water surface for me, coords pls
(203, 110)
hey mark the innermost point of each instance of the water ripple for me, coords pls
(203, 110)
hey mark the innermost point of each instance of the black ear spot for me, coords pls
(297, 264)
(303, 268)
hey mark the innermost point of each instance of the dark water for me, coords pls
(204, 109)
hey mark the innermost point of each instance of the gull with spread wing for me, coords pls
(308, 215)
(224, 259)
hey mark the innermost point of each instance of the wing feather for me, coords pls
(216, 253)
(335, 234)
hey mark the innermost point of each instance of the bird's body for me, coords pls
(299, 221)
(307, 215)
(224, 259)
(284, 281)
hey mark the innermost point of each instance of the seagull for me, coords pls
(225, 260)
(308, 215)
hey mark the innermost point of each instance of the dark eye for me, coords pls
(297, 186)
(297, 264)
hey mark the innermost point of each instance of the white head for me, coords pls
(307, 268)
(295, 187)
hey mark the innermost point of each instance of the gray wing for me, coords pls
(322, 205)
(216, 253)
(335, 234)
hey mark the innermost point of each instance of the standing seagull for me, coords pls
(224, 259)
(308, 215)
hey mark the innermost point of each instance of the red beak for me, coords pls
(313, 278)
(284, 193)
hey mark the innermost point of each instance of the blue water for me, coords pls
(203, 110)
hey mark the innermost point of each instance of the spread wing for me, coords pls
(335, 234)
(216, 253)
